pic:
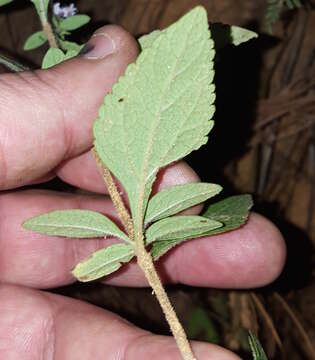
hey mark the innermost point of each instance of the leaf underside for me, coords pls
(103, 262)
(231, 212)
(160, 110)
(74, 223)
(179, 228)
(177, 198)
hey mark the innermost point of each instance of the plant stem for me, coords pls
(145, 262)
(116, 198)
(47, 29)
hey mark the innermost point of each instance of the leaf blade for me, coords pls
(233, 212)
(257, 350)
(74, 223)
(179, 228)
(177, 198)
(74, 22)
(151, 128)
(35, 40)
(5, 2)
(103, 262)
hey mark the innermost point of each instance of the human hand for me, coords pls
(46, 131)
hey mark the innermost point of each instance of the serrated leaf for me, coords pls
(74, 223)
(103, 262)
(147, 40)
(224, 35)
(231, 212)
(5, 2)
(35, 40)
(160, 110)
(179, 228)
(74, 22)
(257, 350)
(177, 198)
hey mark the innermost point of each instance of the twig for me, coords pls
(116, 198)
(46, 25)
(146, 264)
(297, 323)
(260, 307)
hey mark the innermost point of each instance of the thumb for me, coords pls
(46, 116)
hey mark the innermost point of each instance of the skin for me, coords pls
(45, 131)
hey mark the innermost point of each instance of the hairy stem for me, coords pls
(116, 198)
(146, 264)
(47, 29)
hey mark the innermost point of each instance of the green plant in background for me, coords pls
(275, 8)
(158, 112)
(57, 24)
(257, 350)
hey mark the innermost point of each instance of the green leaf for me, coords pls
(257, 350)
(147, 40)
(224, 35)
(232, 212)
(35, 40)
(103, 262)
(12, 65)
(52, 57)
(160, 110)
(177, 198)
(74, 22)
(69, 45)
(5, 2)
(179, 228)
(74, 223)
(41, 7)
(56, 56)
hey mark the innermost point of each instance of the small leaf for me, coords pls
(232, 212)
(224, 35)
(177, 198)
(52, 57)
(56, 56)
(103, 262)
(69, 45)
(163, 108)
(35, 40)
(5, 2)
(179, 228)
(74, 22)
(74, 223)
(257, 350)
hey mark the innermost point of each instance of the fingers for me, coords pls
(46, 116)
(251, 256)
(36, 325)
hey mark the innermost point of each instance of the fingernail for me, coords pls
(99, 46)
